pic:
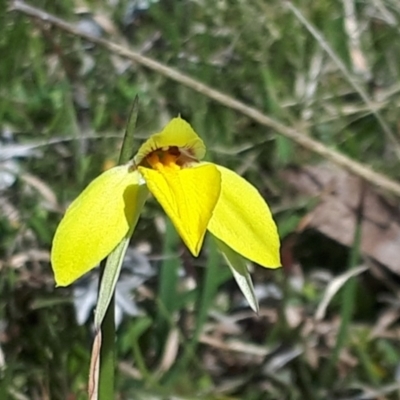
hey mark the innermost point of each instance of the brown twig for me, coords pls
(336, 157)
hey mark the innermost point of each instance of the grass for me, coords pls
(69, 101)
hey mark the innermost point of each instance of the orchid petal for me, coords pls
(176, 133)
(96, 222)
(188, 196)
(243, 221)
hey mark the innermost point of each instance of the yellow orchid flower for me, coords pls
(197, 196)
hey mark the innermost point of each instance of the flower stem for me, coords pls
(107, 352)
(107, 355)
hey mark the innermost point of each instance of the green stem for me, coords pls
(348, 296)
(107, 355)
(206, 298)
(107, 351)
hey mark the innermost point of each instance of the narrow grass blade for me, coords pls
(169, 273)
(209, 288)
(127, 145)
(348, 297)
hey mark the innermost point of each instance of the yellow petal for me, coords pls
(188, 196)
(95, 223)
(176, 133)
(243, 221)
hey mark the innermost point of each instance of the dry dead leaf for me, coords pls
(170, 352)
(339, 193)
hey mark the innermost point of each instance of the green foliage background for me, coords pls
(69, 101)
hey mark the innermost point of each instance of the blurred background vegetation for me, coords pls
(328, 324)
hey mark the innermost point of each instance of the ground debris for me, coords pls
(335, 215)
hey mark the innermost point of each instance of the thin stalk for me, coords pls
(107, 351)
(168, 283)
(348, 297)
(107, 355)
(204, 303)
